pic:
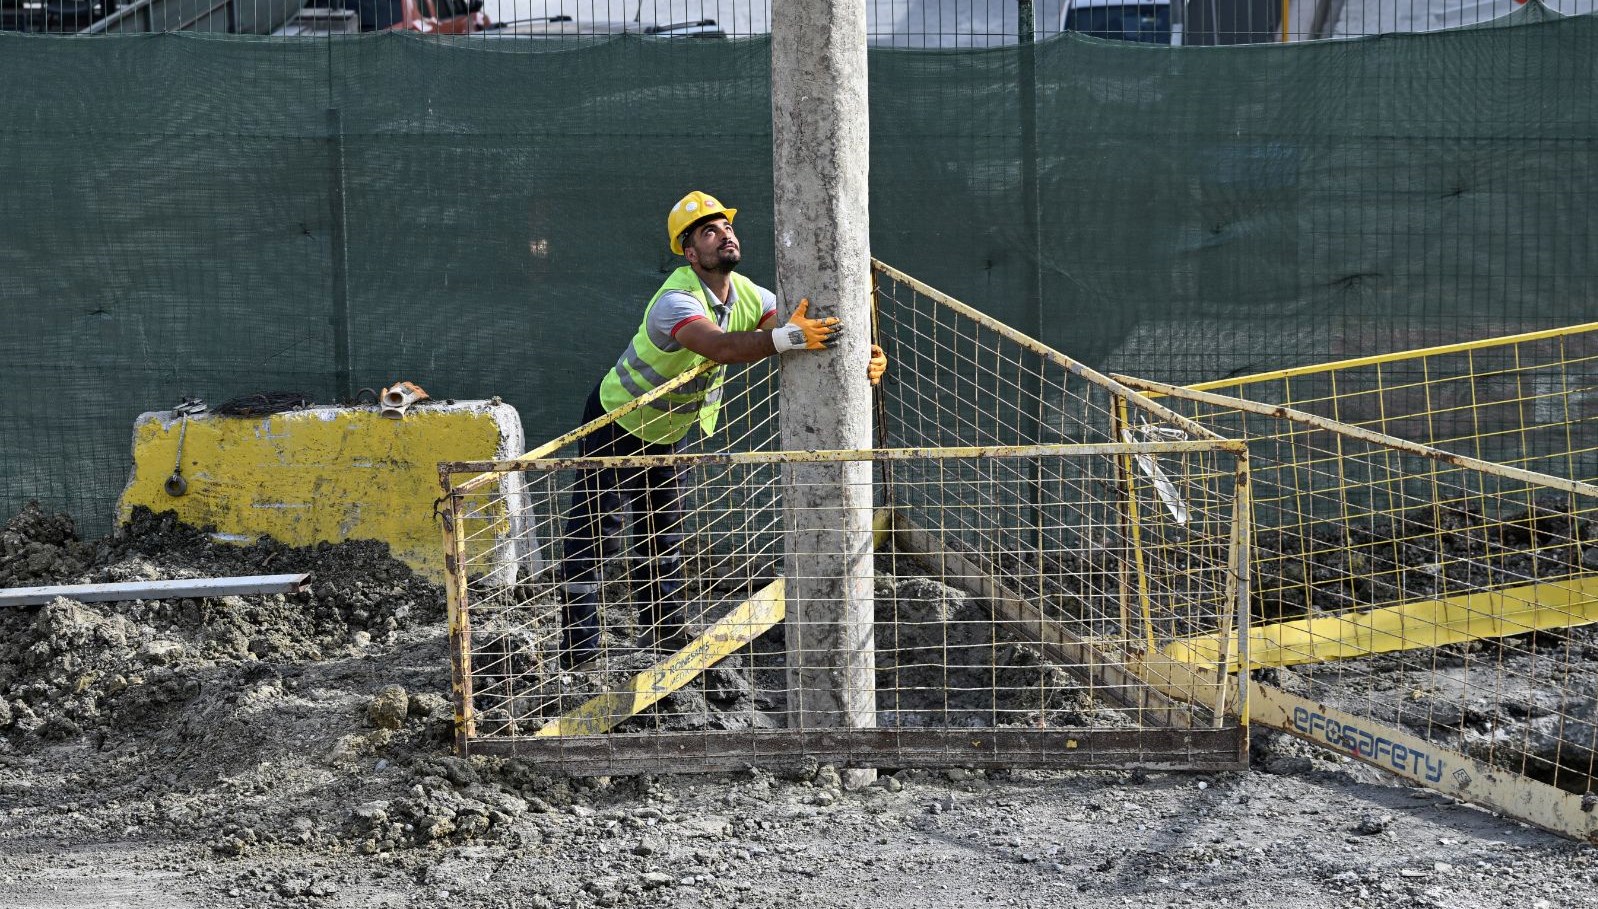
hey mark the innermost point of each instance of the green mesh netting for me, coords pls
(189, 215)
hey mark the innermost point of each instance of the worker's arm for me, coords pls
(704, 337)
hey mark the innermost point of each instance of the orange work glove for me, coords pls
(877, 365)
(806, 334)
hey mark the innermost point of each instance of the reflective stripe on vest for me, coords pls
(630, 358)
(643, 366)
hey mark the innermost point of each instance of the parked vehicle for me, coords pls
(1148, 22)
(60, 16)
(1209, 22)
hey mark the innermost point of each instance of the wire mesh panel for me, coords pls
(889, 23)
(1526, 400)
(1024, 585)
(963, 378)
(1426, 612)
(1102, 567)
(958, 378)
(992, 646)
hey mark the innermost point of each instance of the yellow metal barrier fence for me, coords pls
(1023, 588)
(990, 650)
(1527, 400)
(1425, 611)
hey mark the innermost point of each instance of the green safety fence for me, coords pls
(217, 216)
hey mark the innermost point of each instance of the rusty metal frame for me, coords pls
(1395, 750)
(460, 635)
(1237, 584)
(1163, 685)
(1109, 449)
(1345, 430)
(488, 470)
(1193, 703)
(719, 751)
(1397, 357)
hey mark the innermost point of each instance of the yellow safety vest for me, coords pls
(643, 367)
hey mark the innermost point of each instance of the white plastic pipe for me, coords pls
(397, 399)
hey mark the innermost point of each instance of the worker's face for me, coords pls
(713, 246)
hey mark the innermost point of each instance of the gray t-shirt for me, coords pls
(677, 308)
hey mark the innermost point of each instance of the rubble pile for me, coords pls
(67, 668)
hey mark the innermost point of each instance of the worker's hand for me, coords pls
(877, 365)
(806, 334)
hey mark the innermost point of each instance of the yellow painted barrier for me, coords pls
(1412, 625)
(323, 474)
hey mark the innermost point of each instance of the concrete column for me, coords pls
(820, 134)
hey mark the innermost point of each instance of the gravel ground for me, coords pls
(292, 751)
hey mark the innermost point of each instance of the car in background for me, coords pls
(55, 16)
(1191, 22)
(1147, 22)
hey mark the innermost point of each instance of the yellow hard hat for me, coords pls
(691, 208)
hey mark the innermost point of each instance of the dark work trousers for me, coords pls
(594, 528)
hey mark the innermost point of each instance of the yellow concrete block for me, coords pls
(325, 474)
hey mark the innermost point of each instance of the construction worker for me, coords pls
(704, 311)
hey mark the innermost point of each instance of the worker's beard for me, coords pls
(725, 262)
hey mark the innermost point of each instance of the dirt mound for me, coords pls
(246, 722)
(67, 667)
(37, 548)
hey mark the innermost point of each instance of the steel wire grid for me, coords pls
(889, 23)
(993, 646)
(1526, 400)
(960, 377)
(1024, 588)
(1425, 611)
